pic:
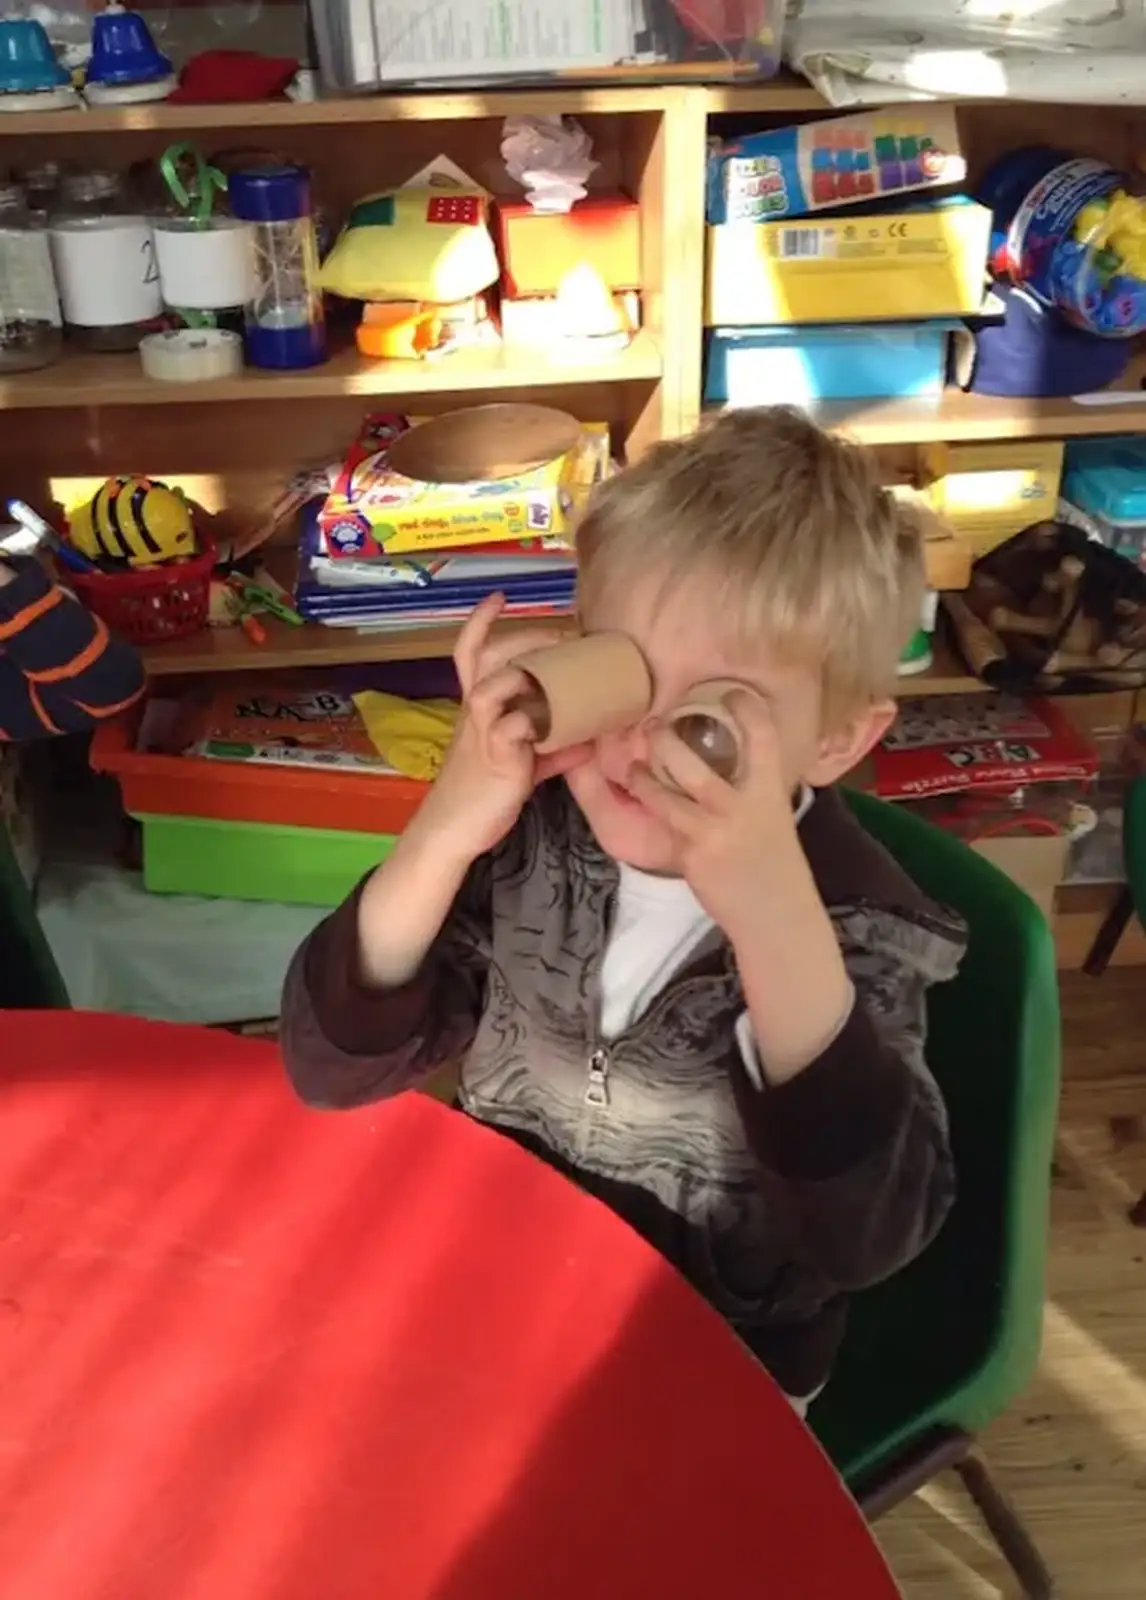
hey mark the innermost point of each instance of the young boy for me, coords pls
(60, 669)
(705, 1004)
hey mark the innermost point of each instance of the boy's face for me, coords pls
(679, 632)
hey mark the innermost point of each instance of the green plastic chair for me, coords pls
(29, 976)
(941, 1349)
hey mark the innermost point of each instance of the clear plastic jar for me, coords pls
(30, 335)
(104, 256)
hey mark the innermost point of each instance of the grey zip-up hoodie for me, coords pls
(775, 1204)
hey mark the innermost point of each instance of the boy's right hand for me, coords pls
(492, 767)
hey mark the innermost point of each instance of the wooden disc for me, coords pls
(480, 442)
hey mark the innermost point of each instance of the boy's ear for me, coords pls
(847, 744)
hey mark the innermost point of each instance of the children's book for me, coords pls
(281, 722)
(946, 743)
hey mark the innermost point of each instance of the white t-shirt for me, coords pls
(658, 923)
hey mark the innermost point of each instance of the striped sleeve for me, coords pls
(60, 669)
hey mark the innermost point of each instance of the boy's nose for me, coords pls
(626, 749)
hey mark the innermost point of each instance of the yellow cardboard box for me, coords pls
(373, 510)
(856, 266)
(989, 492)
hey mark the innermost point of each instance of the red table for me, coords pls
(251, 1352)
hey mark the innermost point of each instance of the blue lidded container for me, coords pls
(283, 323)
(1069, 229)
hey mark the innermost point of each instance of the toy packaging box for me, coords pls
(996, 743)
(990, 492)
(789, 172)
(374, 511)
(924, 260)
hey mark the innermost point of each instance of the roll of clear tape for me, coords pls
(191, 355)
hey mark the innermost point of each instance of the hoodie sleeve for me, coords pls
(855, 1149)
(345, 1043)
(60, 669)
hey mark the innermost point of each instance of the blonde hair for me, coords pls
(806, 548)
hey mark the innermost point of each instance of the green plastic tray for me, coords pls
(256, 861)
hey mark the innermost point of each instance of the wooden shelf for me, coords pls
(97, 380)
(781, 94)
(292, 647)
(977, 416)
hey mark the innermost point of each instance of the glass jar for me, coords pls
(30, 335)
(104, 256)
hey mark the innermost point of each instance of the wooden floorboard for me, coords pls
(1072, 1452)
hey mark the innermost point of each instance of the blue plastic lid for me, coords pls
(274, 192)
(1107, 478)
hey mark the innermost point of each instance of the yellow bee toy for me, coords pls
(133, 522)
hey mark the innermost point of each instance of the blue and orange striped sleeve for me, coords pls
(60, 669)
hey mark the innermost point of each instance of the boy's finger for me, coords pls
(561, 761)
(676, 811)
(487, 701)
(508, 734)
(471, 641)
(688, 771)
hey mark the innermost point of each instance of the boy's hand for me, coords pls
(733, 843)
(492, 768)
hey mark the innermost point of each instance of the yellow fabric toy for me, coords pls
(412, 735)
(414, 244)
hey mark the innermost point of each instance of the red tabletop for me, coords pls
(253, 1352)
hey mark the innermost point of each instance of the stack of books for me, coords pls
(427, 589)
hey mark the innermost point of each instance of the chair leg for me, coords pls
(1006, 1528)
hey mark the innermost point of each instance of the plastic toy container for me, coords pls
(254, 861)
(154, 785)
(150, 605)
(1072, 230)
(799, 366)
(1105, 480)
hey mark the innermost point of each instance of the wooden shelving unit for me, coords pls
(233, 450)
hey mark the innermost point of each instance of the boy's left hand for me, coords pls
(738, 847)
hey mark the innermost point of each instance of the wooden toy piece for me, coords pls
(479, 443)
(981, 646)
(1005, 620)
(584, 688)
(705, 723)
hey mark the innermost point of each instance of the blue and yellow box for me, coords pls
(904, 264)
(836, 361)
(788, 172)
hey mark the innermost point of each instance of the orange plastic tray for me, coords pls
(233, 791)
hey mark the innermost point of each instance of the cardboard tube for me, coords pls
(982, 648)
(705, 724)
(584, 688)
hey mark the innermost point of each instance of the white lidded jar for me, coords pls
(30, 334)
(104, 256)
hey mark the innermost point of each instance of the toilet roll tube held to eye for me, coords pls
(600, 683)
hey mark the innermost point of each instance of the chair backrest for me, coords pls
(29, 976)
(952, 1338)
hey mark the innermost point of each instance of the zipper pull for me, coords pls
(597, 1089)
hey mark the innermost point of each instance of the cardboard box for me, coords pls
(539, 249)
(990, 492)
(1037, 864)
(788, 172)
(927, 260)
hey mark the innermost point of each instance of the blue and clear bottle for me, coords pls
(283, 323)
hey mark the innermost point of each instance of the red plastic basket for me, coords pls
(153, 604)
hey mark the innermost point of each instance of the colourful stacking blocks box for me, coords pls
(789, 172)
(923, 261)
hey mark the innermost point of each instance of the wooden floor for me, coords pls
(1072, 1454)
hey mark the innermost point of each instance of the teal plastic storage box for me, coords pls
(256, 861)
(803, 365)
(1105, 480)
